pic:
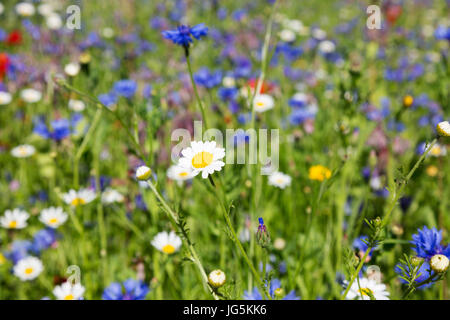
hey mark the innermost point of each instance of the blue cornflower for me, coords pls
(19, 250)
(125, 88)
(129, 290)
(108, 99)
(43, 239)
(442, 33)
(58, 130)
(274, 284)
(208, 79)
(427, 243)
(182, 35)
(424, 274)
(227, 93)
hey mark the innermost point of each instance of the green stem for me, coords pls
(356, 272)
(197, 96)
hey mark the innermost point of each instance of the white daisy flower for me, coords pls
(28, 268)
(30, 95)
(53, 217)
(443, 128)
(263, 102)
(80, 197)
(5, 98)
(318, 34)
(326, 46)
(25, 9)
(179, 174)
(54, 21)
(167, 242)
(110, 196)
(23, 151)
(438, 150)
(202, 157)
(143, 173)
(72, 69)
(368, 287)
(287, 35)
(294, 25)
(76, 105)
(69, 291)
(45, 9)
(217, 278)
(280, 180)
(2, 8)
(15, 219)
(228, 82)
(108, 33)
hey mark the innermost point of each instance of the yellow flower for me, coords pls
(319, 173)
(432, 171)
(408, 101)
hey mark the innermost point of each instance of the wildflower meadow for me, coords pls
(224, 150)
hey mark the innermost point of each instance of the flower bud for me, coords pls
(262, 235)
(217, 278)
(416, 261)
(443, 129)
(439, 263)
(143, 173)
(279, 292)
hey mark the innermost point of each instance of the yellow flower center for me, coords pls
(183, 174)
(366, 292)
(202, 159)
(13, 224)
(432, 171)
(69, 297)
(168, 248)
(23, 151)
(53, 221)
(408, 101)
(260, 104)
(77, 201)
(436, 150)
(28, 270)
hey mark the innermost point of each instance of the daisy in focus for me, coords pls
(69, 291)
(23, 151)
(319, 173)
(369, 288)
(179, 173)
(28, 268)
(15, 219)
(202, 157)
(280, 180)
(263, 102)
(80, 197)
(53, 217)
(167, 242)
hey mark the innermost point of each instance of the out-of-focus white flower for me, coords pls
(45, 9)
(69, 291)
(23, 151)
(53, 217)
(318, 34)
(2, 8)
(76, 105)
(280, 180)
(14, 219)
(228, 82)
(54, 21)
(25, 9)
(110, 196)
(5, 98)
(108, 33)
(178, 173)
(327, 46)
(287, 35)
(28, 268)
(167, 242)
(80, 197)
(72, 69)
(263, 102)
(30, 95)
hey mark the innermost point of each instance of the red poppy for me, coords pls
(14, 38)
(393, 12)
(266, 87)
(4, 64)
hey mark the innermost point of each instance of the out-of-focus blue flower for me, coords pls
(43, 239)
(108, 99)
(242, 67)
(427, 243)
(227, 93)
(182, 35)
(204, 77)
(125, 88)
(19, 250)
(442, 33)
(129, 290)
(361, 246)
(140, 204)
(274, 284)
(424, 272)
(58, 130)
